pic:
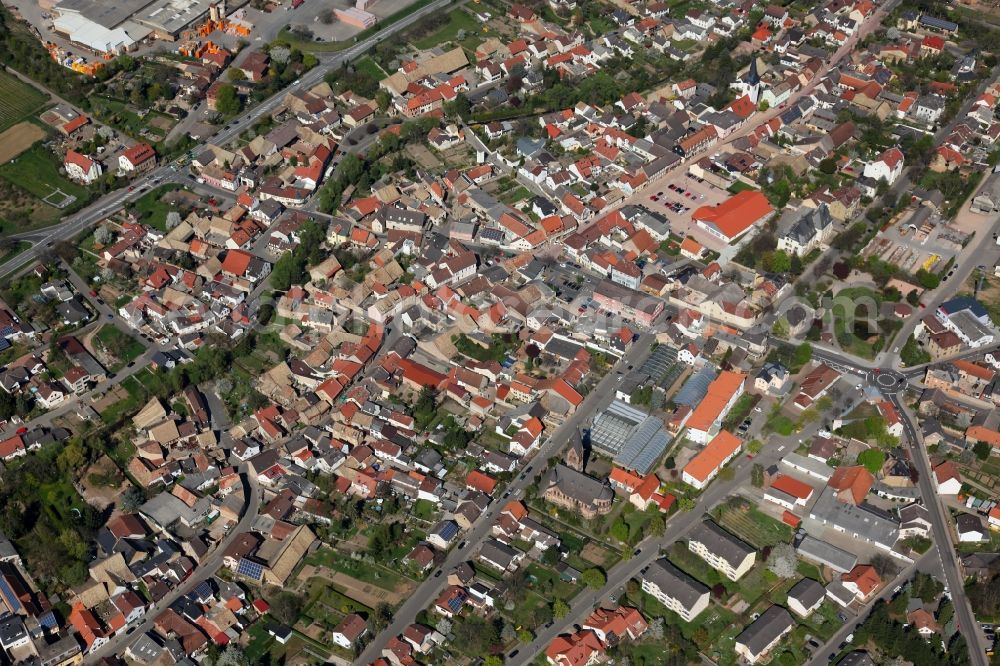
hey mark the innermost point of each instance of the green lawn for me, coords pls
(756, 528)
(151, 210)
(365, 572)
(548, 583)
(780, 424)
(37, 171)
(15, 249)
(120, 114)
(739, 186)
(259, 645)
(740, 410)
(368, 66)
(18, 100)
(122, 346)
(458, 19)
(131, 403)
(424, 509)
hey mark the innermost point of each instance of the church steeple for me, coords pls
(753, 78)
(752, 83)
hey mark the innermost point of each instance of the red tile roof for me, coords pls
(737, 214)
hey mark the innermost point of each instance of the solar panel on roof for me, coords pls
(203, 590)
(8, 594)
(250, 569)
(48, 620)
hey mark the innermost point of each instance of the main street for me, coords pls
(73, 225)
(941, 526)
(429, 590)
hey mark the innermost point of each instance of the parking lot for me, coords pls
(678, 200)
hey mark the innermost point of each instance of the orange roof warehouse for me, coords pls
(734, 216)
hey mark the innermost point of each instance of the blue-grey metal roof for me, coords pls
(696, 387)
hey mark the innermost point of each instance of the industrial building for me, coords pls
(116, 27)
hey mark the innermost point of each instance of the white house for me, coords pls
(724, 552)
(886, 167)
(805, 597)
(350, 629)
(947, 479)
(81, 168)
(764, 634)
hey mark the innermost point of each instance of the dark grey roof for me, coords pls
(12, 630)
(579, 486)
(720, 542)
(807, 592)
(857, 658)
(765, 629)
(674, 582)
(804, 223)
(967, 522)
(498, 553)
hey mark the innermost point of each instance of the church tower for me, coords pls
(752, 83)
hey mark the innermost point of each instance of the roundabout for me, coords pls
(886, 380)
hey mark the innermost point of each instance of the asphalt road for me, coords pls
(941, 529)
(429, 590)
(650, 549)
(76, 223)
(832, 646)
(119, 643)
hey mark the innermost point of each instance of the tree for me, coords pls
(884, 566)
(492, 660)
(132, 499)
(757, 475)
(872, 459)
(777, 262)
(559, 609)
(232, 656)
(593, 577)
(525, 636)
(754, 446)
(782, 561)
(657, 526)
(803, 354)
(227, 102)
(982, 450)
(619, 530)
(103, 235)
(382, 616)
(685, 504)
(286, 606)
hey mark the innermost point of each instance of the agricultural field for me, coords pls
(18, 100)
(17, 139)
